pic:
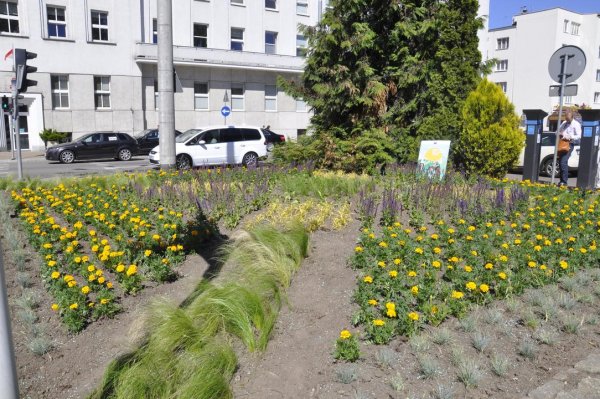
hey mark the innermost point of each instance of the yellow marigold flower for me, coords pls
(85, 289)
(91, 277)
(101, 280)
(74, 306)
(357, 249)
(502, 275)
(436, 264)
(47, 245)
(412, 273)
(414, 289)
(434, 236)
(484, 288)
(453, 259)
(471, 228)
(457, 294)
(451, 241)
(371, 235)
(148, 252)
(437, 250)
(489, 266)
(485, 236)
(469, 238)
(131, 270)
(542, 267)
(504, 245)
(48, 257)
(51, 263)
(462, 221)
(390, 310)
(378, 322)
(397, 261)
(471, 286)
(72, 283)
(450, 231)
(368, 279)
(94, 248)
(109, 285)
(414, 316)
(68, 278)
(381, 263)
(55, 306)
(503, 258)
(383, 244)
(474, 253)
(393, 273)
(468, 268)
(104, 301)
(419, 251)
(155, 237)
(537, 248)
(55, 275)
(120, 268)
(91, 268)
(532, 264)
(517, 241)
(77, 259)
(373, 302)
(345, 334)
(582, 250)
(563, 264)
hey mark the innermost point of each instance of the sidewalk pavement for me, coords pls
(25, 154)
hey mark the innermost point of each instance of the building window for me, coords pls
(502, 85)
(568, 99)
(9, 17)
(502, 66)
(154, 31)
(300, 105)
(575, 28)
(57, 25)
(102, 91)
(200, 35)
(237, 2)
(566, 26)
(237, 96)
(237, 39)
(502, 43)
(60, 91)
(201, 96)
(270, 98)
(270, 42)
(300, 132)
(100, 26)
(271, 4)
(597, 97)
(301, 45)
(156, 94)
(597, 75)
(302, 7)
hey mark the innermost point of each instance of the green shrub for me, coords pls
(491, 140)
(52, 135)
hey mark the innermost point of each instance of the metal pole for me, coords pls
(563, 78)
(166, 112)
(8, 370)
(15, 95)
(11, 132)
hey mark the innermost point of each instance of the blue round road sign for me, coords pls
(225, 111)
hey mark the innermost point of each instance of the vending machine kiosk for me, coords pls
(534, 123)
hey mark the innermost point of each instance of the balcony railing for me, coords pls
(182, 55)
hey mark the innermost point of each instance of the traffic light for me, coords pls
(22, 69)
(5, 104)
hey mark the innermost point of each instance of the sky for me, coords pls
(502, 11)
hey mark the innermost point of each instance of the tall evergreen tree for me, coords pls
(400, 67)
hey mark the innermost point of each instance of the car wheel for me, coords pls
(250, 160)
(183, 162)
(124, 154)
(547, 167)
(67, 156)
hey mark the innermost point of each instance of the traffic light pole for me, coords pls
(17, 136)
(166, 111)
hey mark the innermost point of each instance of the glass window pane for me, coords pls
(200, 30)
(201, 88)
(270, 104)
(13, 26)
(301, 8)
(61, 31)
(64, 100)
(237, 90)
(237, 33)
(4, 25)
(104, 34)
(60, 14)
(270, 90)
(237, 46)
(55, 100)
(95, 18)
(200, 42)
(271, 4)
(270, 37)
(95, 34)
(103, 18)
(201, 102)
(12, 9)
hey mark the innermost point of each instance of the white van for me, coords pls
(217, 145)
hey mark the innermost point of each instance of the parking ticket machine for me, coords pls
(534, 124)
(588, 149)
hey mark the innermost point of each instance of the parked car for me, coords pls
(217, 145)
(272, 138)
(148, 139)
(548, 141)
(96, 145)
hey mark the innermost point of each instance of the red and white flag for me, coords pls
(9, 54)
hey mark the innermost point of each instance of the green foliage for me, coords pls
(491, 140)
(346, 348)
(52, 135)
(403, 68)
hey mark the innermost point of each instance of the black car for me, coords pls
(272, 138)
(148, 139)
(97, 145)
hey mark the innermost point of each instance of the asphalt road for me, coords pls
(38, 167)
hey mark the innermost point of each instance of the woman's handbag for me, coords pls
(564, 146)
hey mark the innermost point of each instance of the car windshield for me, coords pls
(142, 133)
(81, 138)
(185, 136)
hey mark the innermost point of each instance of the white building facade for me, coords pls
(523, 51)
(97, 59)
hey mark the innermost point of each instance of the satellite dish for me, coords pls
(575, 64)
